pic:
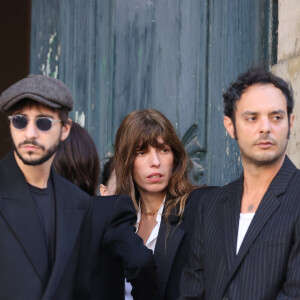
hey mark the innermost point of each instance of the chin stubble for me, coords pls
(45, 157)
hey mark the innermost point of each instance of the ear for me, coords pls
(228, 124)
(103, 190)
(66, 130)
(292, 118)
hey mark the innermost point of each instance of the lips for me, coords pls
(155, 177)
(30, 148)
(265, 144)
(31, 145)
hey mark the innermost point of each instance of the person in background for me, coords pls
(77, 160)
(151, 167)
(108, 185)
(246, 242)
(44, 219)
(116, 249)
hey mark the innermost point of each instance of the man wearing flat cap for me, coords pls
(44, 219)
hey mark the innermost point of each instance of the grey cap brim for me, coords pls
(45, 90)
(35, 97)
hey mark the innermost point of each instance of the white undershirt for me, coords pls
(244, 223)
(150, 244)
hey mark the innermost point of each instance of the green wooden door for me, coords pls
(177, 56)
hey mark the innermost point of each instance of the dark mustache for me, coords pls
(264, 137)
(32, 142)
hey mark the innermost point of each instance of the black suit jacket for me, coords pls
(267, 265)
(173, 245)
(116, 248)
(23, 255)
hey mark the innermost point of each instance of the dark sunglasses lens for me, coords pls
(43, 124)
(19, 122)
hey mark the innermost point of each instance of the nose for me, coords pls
(31, 132)
(154, 159)
(265, 126)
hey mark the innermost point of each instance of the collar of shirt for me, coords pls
(150, 244)
(154, 234)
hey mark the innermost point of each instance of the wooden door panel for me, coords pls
(173, 55)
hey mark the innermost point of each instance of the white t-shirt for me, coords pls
(244, 223)
(150, 244)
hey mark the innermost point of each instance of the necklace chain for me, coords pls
(150, 212)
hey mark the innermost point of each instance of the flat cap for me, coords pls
(43, 89)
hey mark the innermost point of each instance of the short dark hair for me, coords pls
(107, 171)
(26, 102)
(257, 75)
(77, 160)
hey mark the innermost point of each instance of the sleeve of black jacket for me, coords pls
(82, 280)
(291, 286)
(125, 244)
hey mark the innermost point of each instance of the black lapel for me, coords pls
(168, 241)
(231, 212)
(68, 222)
(19, 212)
(266, 209)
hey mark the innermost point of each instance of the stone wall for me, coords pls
(288, 65)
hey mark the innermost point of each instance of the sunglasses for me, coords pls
(42, 123)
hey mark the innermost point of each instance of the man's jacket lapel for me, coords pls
(168, 241)
(269, 204)
(68, 223)
(231, 212)
(18, 210)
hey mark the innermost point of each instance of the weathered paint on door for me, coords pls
(173, 55)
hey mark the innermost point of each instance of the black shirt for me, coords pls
(45, 207)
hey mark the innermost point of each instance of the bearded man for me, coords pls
(44, 219)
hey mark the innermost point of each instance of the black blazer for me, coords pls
(116, 247)
(267, 265)
(173, 244)
(23, 254)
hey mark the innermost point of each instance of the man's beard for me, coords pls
(265, 160)
(46, 156)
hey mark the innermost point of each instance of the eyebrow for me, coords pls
(274, 112)
(279, 111)
(46, 116)
(39, 116)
